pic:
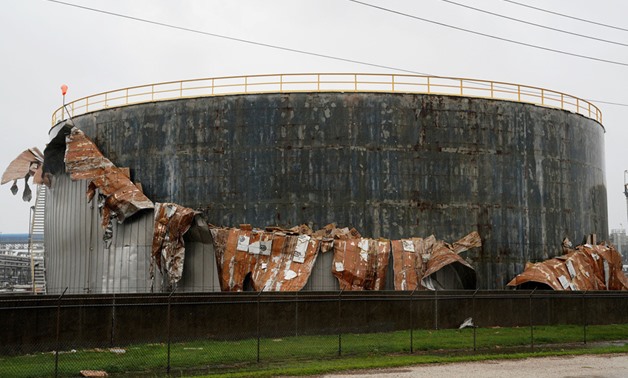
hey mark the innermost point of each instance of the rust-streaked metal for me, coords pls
(588, 267)
(418, 261)
(25, 164)
(243, 252)
(280, 271)
(28, 163)
(233, 265)
(361, 263)
(172, 221)
(84, 161)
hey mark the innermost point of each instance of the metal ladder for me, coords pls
(36, 242)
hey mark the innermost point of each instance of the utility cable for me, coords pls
(260, 43)
(534, 24)
(566, 16)
(488, 35)
(277, 47)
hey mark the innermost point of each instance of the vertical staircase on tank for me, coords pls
(36, 242)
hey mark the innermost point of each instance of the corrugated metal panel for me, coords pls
(79, 259)
(321, 278)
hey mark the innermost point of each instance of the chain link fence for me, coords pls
(205, 333)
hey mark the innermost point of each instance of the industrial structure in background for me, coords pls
(241, 182)
(21, 258)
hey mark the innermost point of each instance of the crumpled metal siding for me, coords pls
(27, 164)
(361, 264)
(418, 260)
(76, 255)
(285, 267)
(588, 267)
(84, 161)
(172, 221)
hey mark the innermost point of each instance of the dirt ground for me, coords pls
(593, 366)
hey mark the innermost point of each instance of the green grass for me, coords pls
(316, 354)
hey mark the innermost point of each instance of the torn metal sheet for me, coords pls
(84, 161)
(275, 259)
(289, 265)
(588, 267)
(361, 264)
(432, 264)
(233, 265)
(446, 270)
(28, 163)
(172, 221)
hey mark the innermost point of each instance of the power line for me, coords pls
(261, 44)
(277, 47)
(607, 102)
(566, 16)
(489, 35)
(535, 24)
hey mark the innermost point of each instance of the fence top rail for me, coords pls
(327, 82)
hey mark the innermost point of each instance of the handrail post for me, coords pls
(106, 93)
(577, 105)
(126, 96)
(213, 86)
(519, 93)
(355, 82)
(461, 92)
(393, 82)
(562, 101)
(492, 95)
(86, 104)
(281, 83)
(246, 84)
(318, 82)
(428, 85)
(180, 89)
(542, 96)
(152, 92)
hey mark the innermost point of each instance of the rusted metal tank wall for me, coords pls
(77, 257)
(391, 165)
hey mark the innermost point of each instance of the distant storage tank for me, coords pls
(380, 158)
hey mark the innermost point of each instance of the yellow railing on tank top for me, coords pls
(327, 82)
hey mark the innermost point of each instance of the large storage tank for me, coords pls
(390, 164)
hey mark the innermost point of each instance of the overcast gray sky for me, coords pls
(46, 44)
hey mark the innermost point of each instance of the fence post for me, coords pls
(168, 325)
(296, 313)
(412, 320)
(339, 320)
(436, 310)
(258, 328)
(58, 346)
(531, 325)
(113, 320)
(584, 317)
(474, 318)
